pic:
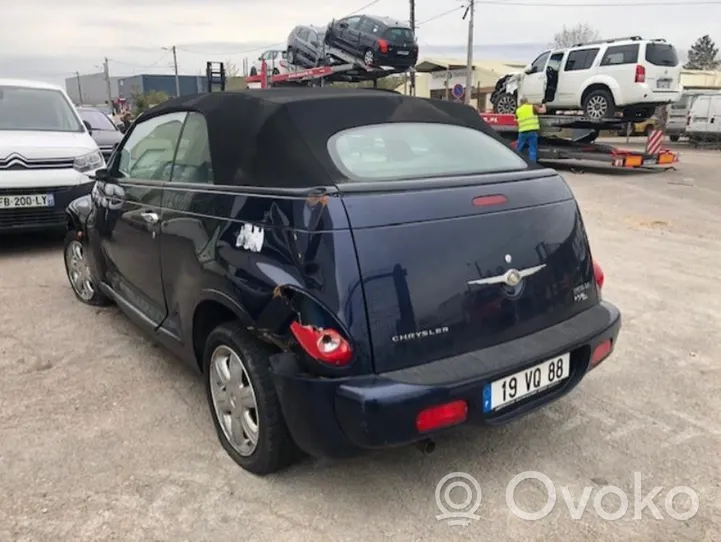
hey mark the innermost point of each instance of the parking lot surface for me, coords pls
(104, 436)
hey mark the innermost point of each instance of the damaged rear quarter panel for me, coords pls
(258, 243)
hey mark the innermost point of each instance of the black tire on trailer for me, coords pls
(369, 58)
(598, 105)
(674, 138)
(253, 71)
(243, 401)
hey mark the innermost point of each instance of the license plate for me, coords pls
(663, 83)
(31, 200)
(513, 388)
(404, 53)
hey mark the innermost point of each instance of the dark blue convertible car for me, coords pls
(348, 269)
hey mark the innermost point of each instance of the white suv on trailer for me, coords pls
(622, 77)
(46, 156)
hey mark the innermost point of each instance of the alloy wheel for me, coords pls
(78, 271)
(597, 107)
(368, 58)
(234, 400)
(506, 104)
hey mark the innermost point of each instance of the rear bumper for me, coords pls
(343, 417)
(395, 61)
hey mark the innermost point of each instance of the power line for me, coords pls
(272, 45)
(448, 12)
(606, 5)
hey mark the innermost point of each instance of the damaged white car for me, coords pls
(624, 77)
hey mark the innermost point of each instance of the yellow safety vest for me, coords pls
(527, 119)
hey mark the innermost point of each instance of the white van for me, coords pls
(46, 156)
(678, 112)
(704, 119)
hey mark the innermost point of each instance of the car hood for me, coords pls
(36, 144)
(105, 138)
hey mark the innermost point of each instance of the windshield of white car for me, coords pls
(97, 120)
(36, 109)
(408, 150)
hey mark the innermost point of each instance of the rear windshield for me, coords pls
(398, 35)
(661, 54)
(397, 151)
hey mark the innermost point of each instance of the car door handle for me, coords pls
(150, 217)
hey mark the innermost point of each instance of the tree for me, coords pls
(581, 33)
(231, 69)
(702, 55)
(148, 100)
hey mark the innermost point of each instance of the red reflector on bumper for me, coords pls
(441, 416)
(601, 352)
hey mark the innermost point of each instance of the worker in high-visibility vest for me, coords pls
(528, 127)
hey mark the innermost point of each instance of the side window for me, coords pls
(192, 161)
(303, 34)
(539, 63)
(313, 38)
(353, 22)
(620, 54)
(554, 63)
(148, 152)
(581, 59)
(367, 26)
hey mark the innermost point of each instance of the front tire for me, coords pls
(253, 71)
(599, 105)
(80, 275)
(505, 104)
(243, 401)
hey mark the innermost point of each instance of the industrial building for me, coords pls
(144, 84)
(91, 89)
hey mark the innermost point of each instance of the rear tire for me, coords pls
(674, 138)
(253, 71)
(254, 436)
(599, 105)
(369, 58)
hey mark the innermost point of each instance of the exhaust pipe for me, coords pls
(426, 446)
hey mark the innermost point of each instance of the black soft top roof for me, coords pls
(278, 137)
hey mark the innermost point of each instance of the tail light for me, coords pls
(640, 74)
(439, 416)
(383, 46)
(598, 274)
(325, 345)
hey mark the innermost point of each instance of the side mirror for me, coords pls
(89, 128)
(343, 25)
(102, 175)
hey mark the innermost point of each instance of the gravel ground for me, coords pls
(106, 437)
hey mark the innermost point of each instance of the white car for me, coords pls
(704, 120)
(46, 156)
(625, 77)
(275, 60)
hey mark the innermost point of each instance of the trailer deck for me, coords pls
(581, 144)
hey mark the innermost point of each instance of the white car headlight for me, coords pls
(89, 162)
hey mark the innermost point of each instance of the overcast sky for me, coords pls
(50, 40)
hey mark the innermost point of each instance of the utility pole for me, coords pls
(106, 72)
(175, 66)
(413, 28)
(80, 89)
(469, 63)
